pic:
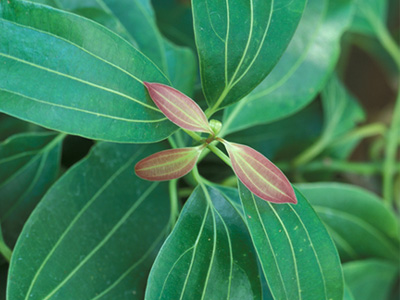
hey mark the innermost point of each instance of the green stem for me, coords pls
(311, 152)
(390, 153)
(4, 250)
(172, 142)
(362, 133)
(384, 36)
(173, 196)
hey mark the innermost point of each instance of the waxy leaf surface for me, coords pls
(260, 175)
(297, 255)
(239, 42)
(208, 255)
(358, 221)
(96, 232)
(301, 72)
(168, 164)
(179, 108)
(29, 164)
(68, 73)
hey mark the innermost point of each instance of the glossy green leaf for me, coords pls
(302, 71)
(95, 233)
(347, 293)
(358, 221)
(298, 258)
(80, 78)
(29, 164)
(239, 42)
(208, 255)
(370, 279)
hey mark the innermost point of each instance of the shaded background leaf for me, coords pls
(359, 223)
(95, 233)
(29, 164)
(370, 279)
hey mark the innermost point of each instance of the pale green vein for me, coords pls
(209, 201)
(194, 252)
(33, 159)
(18, 156)
(230, 255)
(79, 215)
(261, 222)
(79, 80)
(211, 23)
(341, 242)
(85, 50)
(82, 110)
(313, 249)
(113, 230)
(226, 41)
(135, 265)
(169, 162)
(291, 248)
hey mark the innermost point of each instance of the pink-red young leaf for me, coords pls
(168, 164)
(260, 175)
(179, 108)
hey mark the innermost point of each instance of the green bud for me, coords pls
(215, 126)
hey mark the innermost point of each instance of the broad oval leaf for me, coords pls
(239, 42)
(179, 108)
(208, 255)
(371, 279)
(29, 164)
(297, 255)
(95, 233)
(260, 175)
(358, 221)
(301, 72)
(168, 164)
(71, 74)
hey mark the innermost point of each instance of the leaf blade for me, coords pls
(168, 164)
(260, 175)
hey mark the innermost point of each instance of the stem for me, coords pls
(312, 151)
(390, 153)
(173, 197)
(172, 142)
(4, 250)
(362, 133)
(384, 37)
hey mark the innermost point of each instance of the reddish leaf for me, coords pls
(260, 175)
(179, 108)
(168, 164)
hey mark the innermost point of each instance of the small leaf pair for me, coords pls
(254, 170)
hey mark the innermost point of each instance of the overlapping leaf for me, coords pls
(168, 164)
(68, 73)
(208, 255)
(260, 175)
(301, 72)
(239, 42)
(29, 164)
(359, 223)
(95, 233)
(178, 107)
(298, 258)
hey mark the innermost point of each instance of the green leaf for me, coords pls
(80, 78)
(358, 221)
(29, 164)
(10, 126)
(298, 258)
(239, 42)
(95, 233)
(208, 255)
(286, 138)
(302, 71)
(370, 279)
(367, 13)
(347, 293)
